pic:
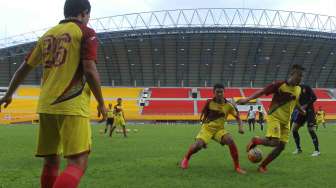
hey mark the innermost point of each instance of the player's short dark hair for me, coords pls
(119, 99)
(218, 86)
(73, 8)
(296, 67)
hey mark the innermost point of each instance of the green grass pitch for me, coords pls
(149, 158)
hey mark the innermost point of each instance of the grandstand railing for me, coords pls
(200, 17)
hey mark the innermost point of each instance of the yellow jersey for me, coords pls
(320, 114)
(110, 114)
(118, 111)
(217, 113)
(61, 51)
(285, 98)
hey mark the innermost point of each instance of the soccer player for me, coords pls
(110, 119)
(213, 117)
(285, 98)
(261, 118)
(320, 115)
(68, 54)
(119, 117)
(307, 99)
(251, 117)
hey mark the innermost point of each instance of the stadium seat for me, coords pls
(169, 107)
(250, 91)
(28, 91)
(322, 94)
(109, 92)
(170, 92)
(228, 92)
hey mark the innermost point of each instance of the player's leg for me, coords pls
(72, 174)
(273, 131)
(296, 136)
(124, 130)
(253, 124)
(280, 135)
(194, 148)
(76, 150)
(49, 148)
(112, 129)
(50, 171)
(227, 139)
(202, 139)
(106, 126)
(315, 141)
(249, 124)
(311, 122)
(262, 125)
(279, 147)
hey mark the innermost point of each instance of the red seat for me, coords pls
(322, 93)
(228, 92)
(328, 106)
(169, 107)
(250, 91)
(170, 92)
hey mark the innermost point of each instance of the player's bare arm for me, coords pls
(254, 96)
(93, 79)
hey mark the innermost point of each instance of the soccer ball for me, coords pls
(135, 130)
(101, 131)
(255, 155)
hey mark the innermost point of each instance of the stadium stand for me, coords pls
(228, 92)
(322, 94)
(250, 91)
(163, 104)
(169, 107)
(109, 92)
(28, 91)
(170, 92)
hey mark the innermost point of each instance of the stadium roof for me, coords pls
(194, 47)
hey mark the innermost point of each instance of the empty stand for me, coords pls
(250, 91)
(28, 91)
(170, 92)
(322, 94)
(121, 92)
(169, 107)
(228, 92)
(328, 106)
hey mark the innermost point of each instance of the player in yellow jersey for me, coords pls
(213, 117)
(119, 117)
(68, 55)
(320, 115)
(110, 120)
(285, 98)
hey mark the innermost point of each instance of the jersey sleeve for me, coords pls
(272, 88)
(34, 57)
(89, 44)
(233, 110)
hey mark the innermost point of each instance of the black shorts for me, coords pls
(249, 121)
(302, 119)
(109, 121)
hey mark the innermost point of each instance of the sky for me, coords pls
(22, 16)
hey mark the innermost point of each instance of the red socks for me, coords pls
(234, 154)
(69, 178)
(190, 152)
(257, 141)
(49, 175)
